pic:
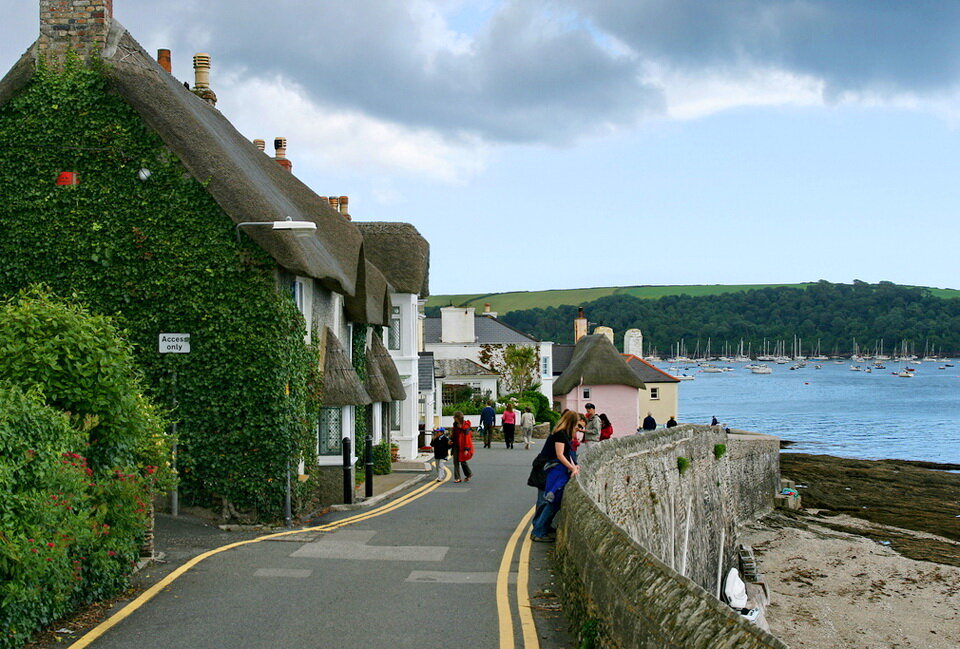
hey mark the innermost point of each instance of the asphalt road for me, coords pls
(422, 575)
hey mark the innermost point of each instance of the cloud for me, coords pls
(521, 76)
(852, 46)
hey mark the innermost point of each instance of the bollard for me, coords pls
(368, 465)
(347, 474)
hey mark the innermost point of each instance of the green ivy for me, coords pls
(159, 256)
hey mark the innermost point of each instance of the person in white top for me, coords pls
(527, 422)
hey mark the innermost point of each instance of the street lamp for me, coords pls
(299, 228)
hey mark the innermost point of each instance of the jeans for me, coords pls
(544, 514)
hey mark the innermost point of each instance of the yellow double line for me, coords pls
(154, 590)
(527, 628)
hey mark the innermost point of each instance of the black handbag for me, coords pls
(538, 473)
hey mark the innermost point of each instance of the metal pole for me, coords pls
(175, 494)
(347, 474)
(368, 462)
(287, 513)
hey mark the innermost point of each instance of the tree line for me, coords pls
(833, 314)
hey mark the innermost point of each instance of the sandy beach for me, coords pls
(838, 580)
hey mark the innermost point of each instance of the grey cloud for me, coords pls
(521, 80)
(852, 45)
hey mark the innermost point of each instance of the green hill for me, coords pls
(519, 300)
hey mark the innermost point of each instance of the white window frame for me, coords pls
(341, 416)
(545, 369)
(395, 333)
(654, 394)
(586, 393)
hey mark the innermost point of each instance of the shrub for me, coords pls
(81, 452)
(682, 464)
(382, 459)
(719, 450)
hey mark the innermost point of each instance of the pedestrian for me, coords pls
(606, 428)
(488, 419)
(715, 421)
(462, 447)
(591, 429)
(509, 424)
(649, 423)
(671, 422)
(527, 422)
(560, 468)
(441, 450)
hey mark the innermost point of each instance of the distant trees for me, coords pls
(833, 313)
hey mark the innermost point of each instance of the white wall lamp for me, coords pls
(299, 228)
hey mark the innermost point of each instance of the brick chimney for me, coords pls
(163, 58)
(78, 25)
(201, 75)
(280, 146)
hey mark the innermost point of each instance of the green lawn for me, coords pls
(512, 301)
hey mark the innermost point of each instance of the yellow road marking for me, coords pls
(504, 614)
(152, 592)
(527, 627)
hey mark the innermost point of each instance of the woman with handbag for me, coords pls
(462, 447)
(560, 467)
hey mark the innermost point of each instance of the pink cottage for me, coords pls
(598, 374)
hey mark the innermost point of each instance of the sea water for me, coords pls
(836, 411)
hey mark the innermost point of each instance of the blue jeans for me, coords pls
(544, 514)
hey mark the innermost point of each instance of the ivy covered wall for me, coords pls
(160, 256)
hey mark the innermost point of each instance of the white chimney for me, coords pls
(457, 325)
(633, 342)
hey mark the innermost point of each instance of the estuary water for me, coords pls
(836, 411)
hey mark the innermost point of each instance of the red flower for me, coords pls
(111, 553)
(51, 545)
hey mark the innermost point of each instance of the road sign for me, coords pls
(174, 343)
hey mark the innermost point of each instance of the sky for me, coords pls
(577, 143)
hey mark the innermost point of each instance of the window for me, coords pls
(394, 335)
(586, 393)
(545, 366)
(296, 290)
(457, 393)
(330, 431)
(395, 415)
(654, 394)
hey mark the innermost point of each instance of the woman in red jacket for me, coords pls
(606, 428)
(462, 447)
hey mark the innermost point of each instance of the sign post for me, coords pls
(174, 344)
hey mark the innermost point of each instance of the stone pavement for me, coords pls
(422, 574)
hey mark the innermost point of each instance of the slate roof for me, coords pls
(561, 357)
(247, 184)
(487, 329)
(448, 367)
(595, 362)
(646, 372)
(426, 372)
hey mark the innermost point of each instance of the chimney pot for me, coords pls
(260, 144)
(163, 58)
(201, 74)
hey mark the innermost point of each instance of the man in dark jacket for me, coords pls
(488, 418)
(649, 423)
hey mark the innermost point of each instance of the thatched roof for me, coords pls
(371, 302)
(247, 184)
(376, 384)
(341, 385)
(381, 356)
(400, 252)
(595, 361)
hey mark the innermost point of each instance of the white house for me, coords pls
(460, 334)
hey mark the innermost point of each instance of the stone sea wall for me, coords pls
(643, 546)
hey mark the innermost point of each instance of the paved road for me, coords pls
(423, 575)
